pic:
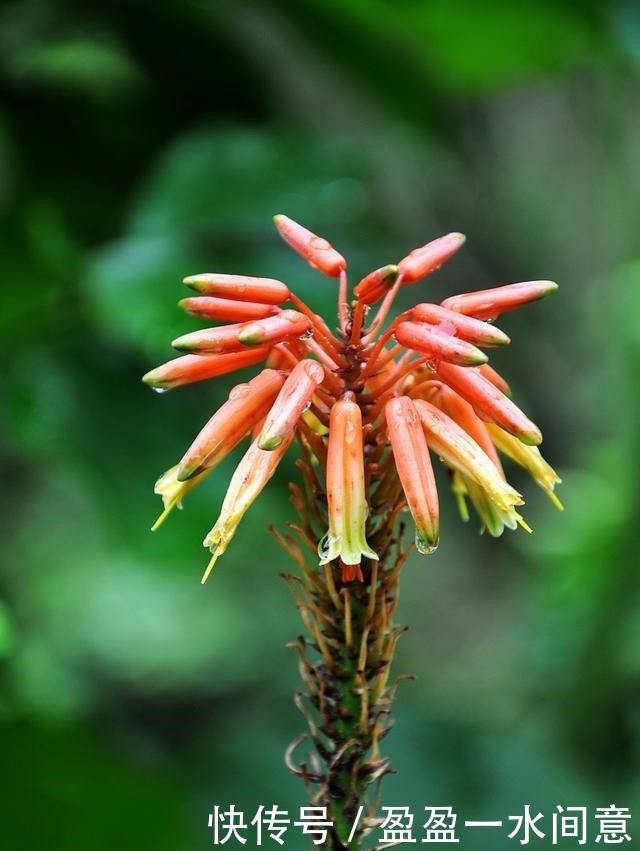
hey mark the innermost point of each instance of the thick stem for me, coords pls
(347, 698)
(348, 613)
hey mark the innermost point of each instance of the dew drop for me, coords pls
(160, 389)
(424, 546)
(329, 547)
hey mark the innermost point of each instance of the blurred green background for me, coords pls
(140, 142)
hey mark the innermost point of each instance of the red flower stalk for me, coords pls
(366, 404)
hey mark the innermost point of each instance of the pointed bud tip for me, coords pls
(477, 359)
(530, 438)
(183, 344)
(188, 471)
(251, 336)
(151, 380)
(194, 282)
(210, 566)
(270, 442)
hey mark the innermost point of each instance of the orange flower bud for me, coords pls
(239, 287)
(437, 344)
(425, 260)
(376, 284)
(488, 304)
(293, 399)
(246, 405)
(346, 500)
(191, 368)
(285, 325)
(318, 253)
(488, 402)
(226, 310)
(465, 327)
(411, 456)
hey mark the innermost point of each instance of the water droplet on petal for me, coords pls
(159, 389)
(425, 546)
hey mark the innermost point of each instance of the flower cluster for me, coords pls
(370, 401)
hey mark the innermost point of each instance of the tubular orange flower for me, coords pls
(366, 403)
(489, 403)
(246, 405)
(225, 309)
(465, 327)
(411, 455)
(239, 287)
(191, 368)
(489, 304)
(288, 324)
(346, 500)
(425, 260)
(318, 253)
(438, 344)
(291, 403)
(372, 287)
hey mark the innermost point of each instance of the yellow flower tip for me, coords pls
(522, 522)
(154, 379)
(184, 344)
(554, 499)
(477, 358)
(210, 566)
(163, 516)
(186, 472)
